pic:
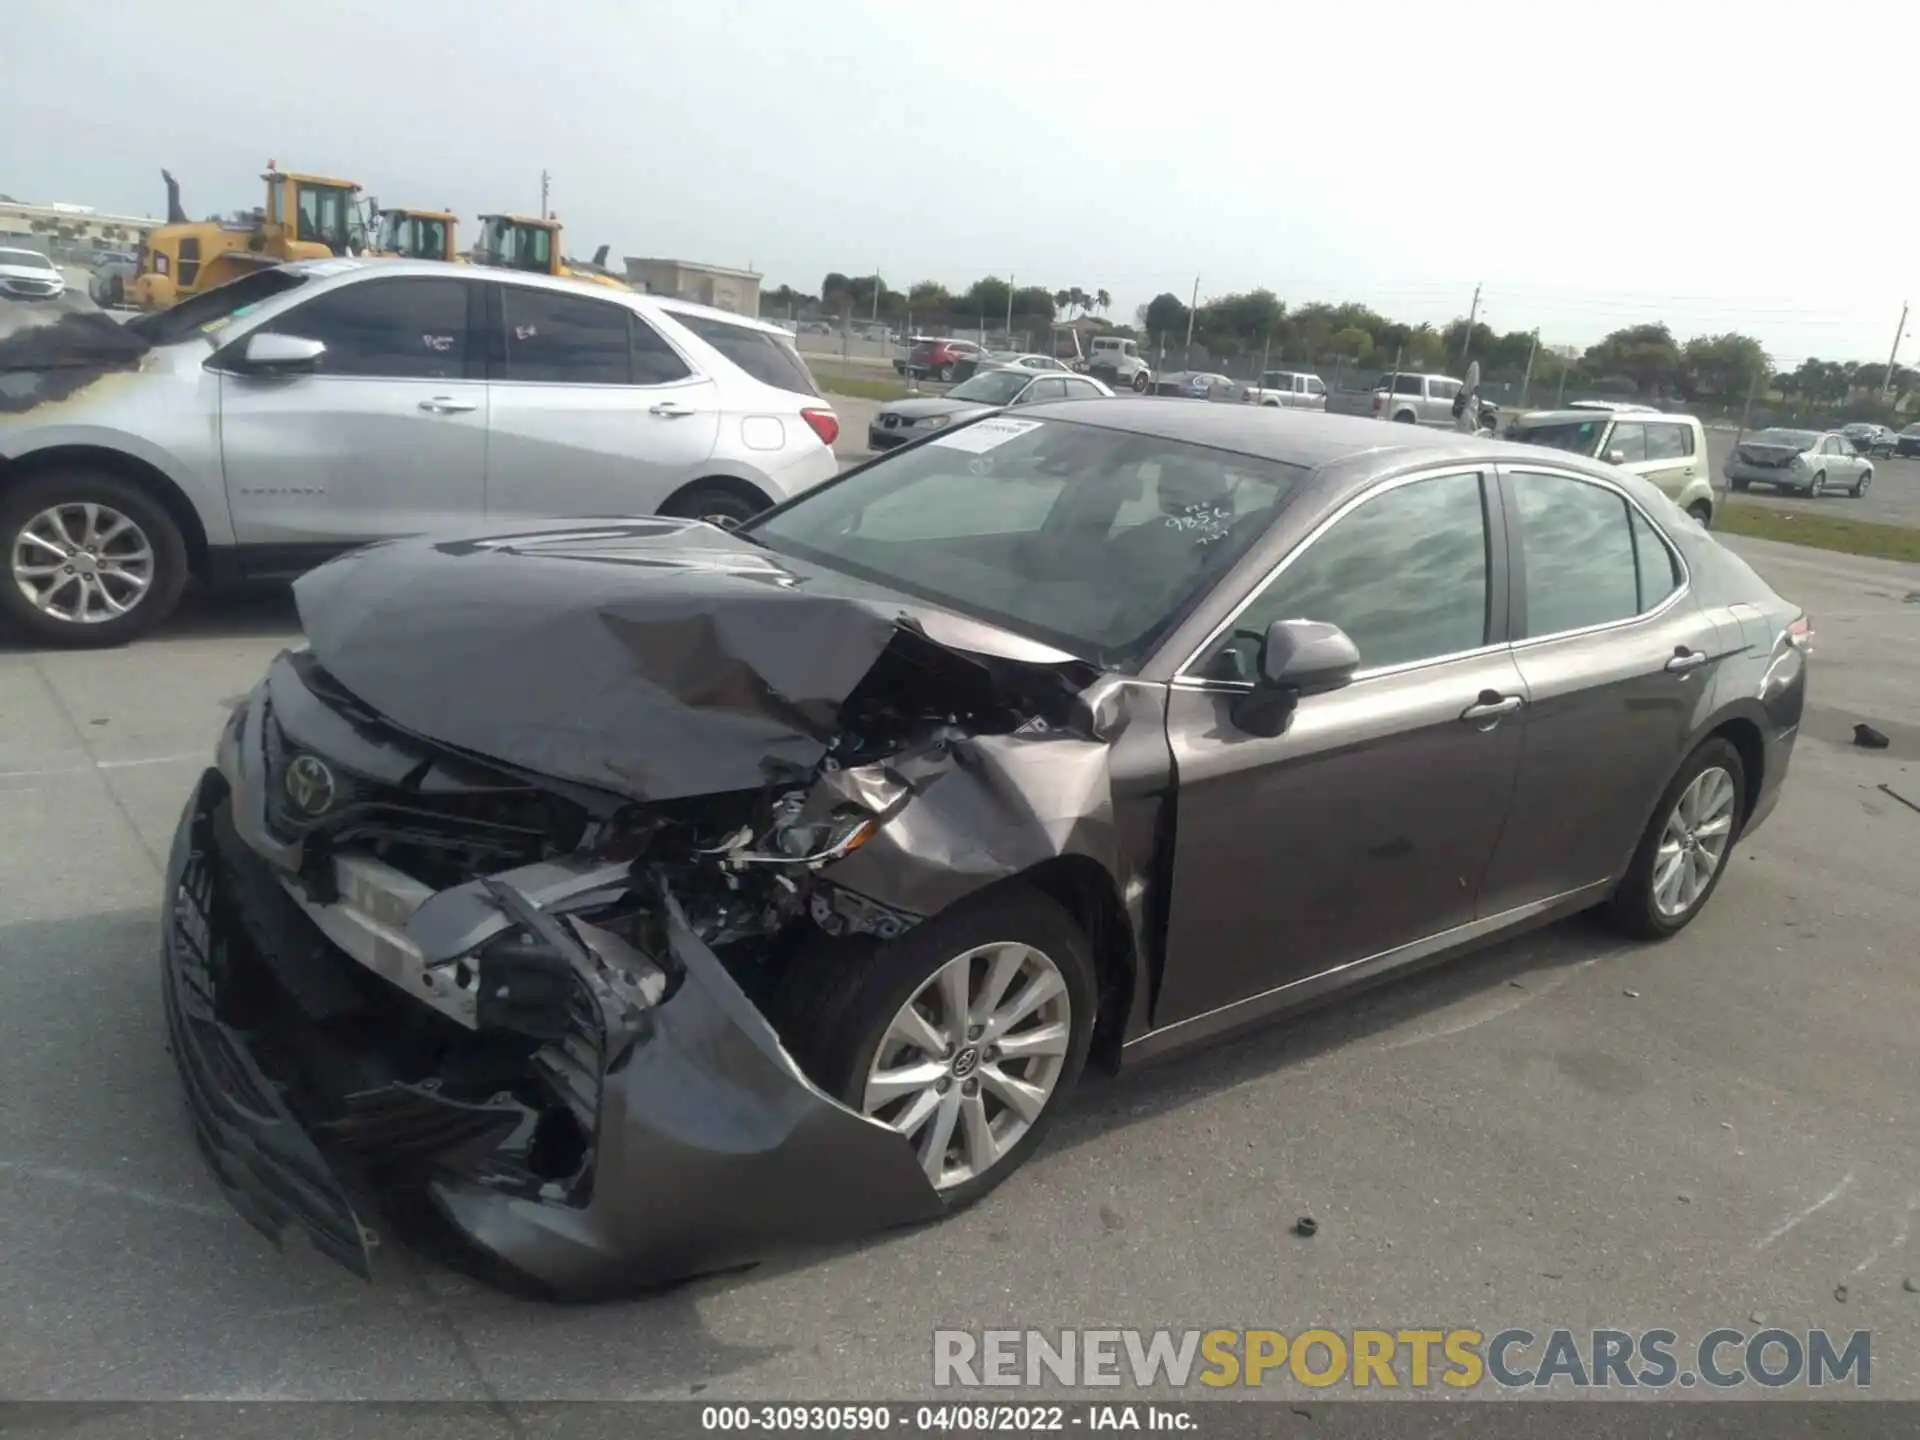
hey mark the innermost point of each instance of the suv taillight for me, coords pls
(824, 423)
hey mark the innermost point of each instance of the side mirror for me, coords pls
(1297, 657)
(281, 354)
(1616, 457)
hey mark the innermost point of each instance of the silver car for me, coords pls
(306, 409)
(902, 421)
(1810, 462)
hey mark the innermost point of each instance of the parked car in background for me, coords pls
(1669, 451)
(1298, 706)
(1289, 390)
(29, 275)
(1116, 360)
(1615, 405)
(992, 360)
(1870, 439)
(1810, 462)
(1406, 397)
(899, 422)
(258, 428)
(1198, 385)
(939, 359)
(817, 327)
(1907, 442)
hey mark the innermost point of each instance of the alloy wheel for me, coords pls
(84, 563)
(1694, 842)
(971, 1059)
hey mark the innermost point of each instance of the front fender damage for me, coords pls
(714, 1146)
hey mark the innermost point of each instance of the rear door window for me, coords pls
(1578, 552)
(560, 339)
(768, 358)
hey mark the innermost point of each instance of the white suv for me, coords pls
(302, 410)
(1669, 451)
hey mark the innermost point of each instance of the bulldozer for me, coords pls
(522, 242)
(412, 234)
(306, 217)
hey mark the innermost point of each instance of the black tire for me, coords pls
(1141, 382)
(725, 503)
(22, 503)
(1405, 417)
(1860, 485)
(1740, 485)
(943, 374)
(1702, 512)
(1817, 486)
(1631, 907)
(838, 1002)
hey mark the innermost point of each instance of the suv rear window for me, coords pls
(770, 359)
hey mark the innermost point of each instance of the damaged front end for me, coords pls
(548, 1000)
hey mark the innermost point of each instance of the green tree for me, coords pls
(927, 297)
(1352, 343)
(1424, 349)
(1482, 342)
(1644, 355)
(986, 298)
(1102, 301)
(1032, 305)
(1722, 366)
(1166, 316)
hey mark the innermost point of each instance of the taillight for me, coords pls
(1800, 635)
(1379, 403)
(824, 423)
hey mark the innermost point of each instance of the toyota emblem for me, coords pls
(309, 785)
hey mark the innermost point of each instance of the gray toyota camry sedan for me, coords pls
(641, 895)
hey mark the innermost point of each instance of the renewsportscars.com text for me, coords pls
(1458, 1359)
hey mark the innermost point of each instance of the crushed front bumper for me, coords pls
(711, 1148)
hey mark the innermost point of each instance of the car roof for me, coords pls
(1569, 416)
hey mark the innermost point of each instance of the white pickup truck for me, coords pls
(1407, 396)
(1288, 389)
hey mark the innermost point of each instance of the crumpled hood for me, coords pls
(53, 348)
(654, 658)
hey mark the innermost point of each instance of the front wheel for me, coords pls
(1140, 383)
(1860, 485)
(1702, 512)
(92, 559)
(1684, 851)
(962, 1035)
(943, 374)
(1817, 486)
(716, 502)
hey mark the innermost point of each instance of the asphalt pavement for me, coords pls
(1565, 1130)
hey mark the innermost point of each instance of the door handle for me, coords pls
(670, 410)
(1685, 661)
(1491, 706)
(447, 405)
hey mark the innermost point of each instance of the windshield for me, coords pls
(213, 308)
(1581, 437)
(31, 259)
(1096, 541)
(323, 217)
(991, 387)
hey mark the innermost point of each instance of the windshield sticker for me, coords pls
(985, 435)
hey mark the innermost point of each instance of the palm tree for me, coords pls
(1101, 300)
(1062, 299)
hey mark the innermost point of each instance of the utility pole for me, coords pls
(876, 292)
(1187, 359)
(545, 181)
(1473, 313)
(1010, 280)
(1527, 379)
(1899, 334)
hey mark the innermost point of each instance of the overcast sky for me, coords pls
(1717, 165)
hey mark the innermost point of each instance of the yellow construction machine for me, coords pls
(413, 234)
(522, 242)
(306, 217)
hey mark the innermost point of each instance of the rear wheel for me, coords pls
(718, 502)
(962, 1035)
(943, 374)
(1140, 383)
(92, 559)
(1701, 511)
(1860, 485)
(1405, 417)
(1684, 851)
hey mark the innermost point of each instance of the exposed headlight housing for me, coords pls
(934, 422)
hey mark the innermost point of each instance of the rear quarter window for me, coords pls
(770, 359)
